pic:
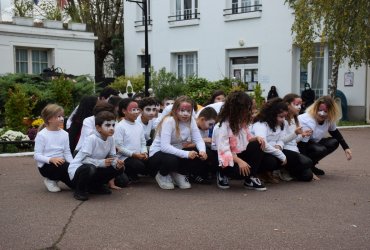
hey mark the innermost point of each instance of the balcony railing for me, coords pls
(142, 22)
(243, 9)
(183, 15)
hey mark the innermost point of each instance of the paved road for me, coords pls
(333, 213)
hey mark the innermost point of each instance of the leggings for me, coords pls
(133, 167)
(252, 155)
(298, 165)
(89, 176)
(318, 150)
(167, 163)
(56, 173)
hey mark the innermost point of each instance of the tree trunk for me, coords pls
(334, 79)
(99, 65)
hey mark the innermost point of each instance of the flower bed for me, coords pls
(14, 142)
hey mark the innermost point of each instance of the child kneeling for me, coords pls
(96, 162)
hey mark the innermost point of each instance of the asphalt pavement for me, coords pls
(333, 213)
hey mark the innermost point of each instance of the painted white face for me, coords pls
(60, 118)
(108, 125)
(322, 113)
(297, 107)
(209, 124)
(184, 111)
(150, 111)
(169, 102)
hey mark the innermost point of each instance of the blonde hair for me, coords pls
(174, 109)
(48, 112)
(333, 111)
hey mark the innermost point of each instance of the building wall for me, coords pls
(72, 51)
(214, 37)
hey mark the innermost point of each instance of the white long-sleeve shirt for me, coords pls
(94, 151)
(129, 139)
(318, 131)
(147, 127)
(290, 138)
(167, 141)
(50, 144)
(88, 127)
(271, 138)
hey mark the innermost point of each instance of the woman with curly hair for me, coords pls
(320, 117)
(238, 151)
(269, 124)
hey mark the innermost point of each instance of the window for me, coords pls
(243, 6)
(187, 65)
(186, 9)
(142, 61)
(32, 61)
(141, 16)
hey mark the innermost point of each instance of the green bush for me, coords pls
(137, 82)
(61, 93)
(165, 84)
(17, 107)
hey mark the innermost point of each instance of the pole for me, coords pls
(145, 9)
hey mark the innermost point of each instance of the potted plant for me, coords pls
(75, 23)
(23, 12)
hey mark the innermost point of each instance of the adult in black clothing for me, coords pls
(272, 93)
(308, 97)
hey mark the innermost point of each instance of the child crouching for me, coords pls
(96, 162)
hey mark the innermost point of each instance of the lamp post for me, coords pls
(144, 6)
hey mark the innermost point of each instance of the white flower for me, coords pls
(11, 135)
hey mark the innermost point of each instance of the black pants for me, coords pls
(252, 155)
(89, 176)
(133, 167)
(298, 165)
(56, 173)
(318, 150)
(167, 163)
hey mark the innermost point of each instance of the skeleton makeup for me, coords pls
(185, 110)
(107, 125)
(132, 108)
(210, 123)
(150, 111)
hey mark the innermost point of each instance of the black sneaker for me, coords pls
(222, 181)
(100, 190)
(254, 183)
(199, 179)
(81, 196)
(317, 171)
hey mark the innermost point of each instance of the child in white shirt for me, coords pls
(52, 152)
(96, 163)
(167, 154)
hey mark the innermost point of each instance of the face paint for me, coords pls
(298, 107)
(107, 125)
(169, 102)
(322, 113)
(158, 107)
(60, 118)
(185, 109)
(150, 110)
(132, 108)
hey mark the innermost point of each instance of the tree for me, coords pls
(105, 19)
(343, 25)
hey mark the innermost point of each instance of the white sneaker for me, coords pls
(52, 186)
(164, 182)
(180, 180)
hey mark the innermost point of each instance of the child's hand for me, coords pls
(244, 168)
(298, 130)
(120, 164)
(203, 155)
(261, 141)
(278, 147)
(207, 140)
(108, 162)
(348, 153)
(192, 154)
(57, 161)
(284, 162)
(188, 145)
(307, 133)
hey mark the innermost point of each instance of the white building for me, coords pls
(30, 49)
(247, 39)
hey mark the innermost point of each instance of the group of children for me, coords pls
(120, 140)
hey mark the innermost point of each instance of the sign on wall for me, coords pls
(348, 79)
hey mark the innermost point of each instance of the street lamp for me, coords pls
(144, 6)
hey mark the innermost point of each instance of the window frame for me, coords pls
(183, 57)
(30, 60)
